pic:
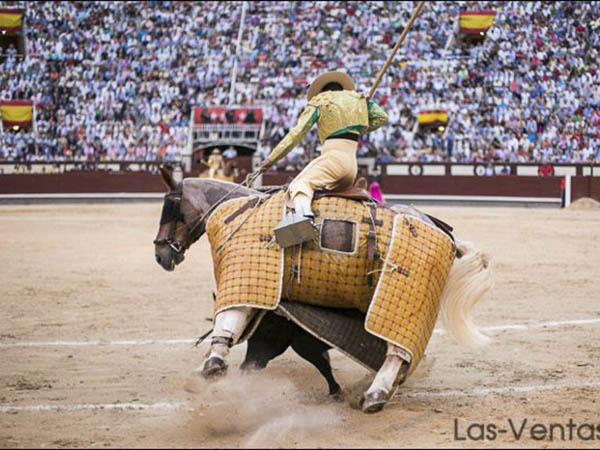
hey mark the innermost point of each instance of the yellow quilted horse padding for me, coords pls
(247, 271)
(400, 297)
(407, 299)
(332, 278)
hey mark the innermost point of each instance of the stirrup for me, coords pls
(295, 229)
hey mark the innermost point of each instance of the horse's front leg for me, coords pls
(229, 326)
(386, 381)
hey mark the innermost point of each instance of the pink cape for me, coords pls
(376, 192)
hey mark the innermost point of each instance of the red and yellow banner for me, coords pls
(217, 115)
(11, 20)
(431, 117)
(16, 113)
(472, 22)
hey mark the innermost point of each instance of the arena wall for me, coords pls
(585, 187)
(511, 185)
(444, 185)
(81, 182)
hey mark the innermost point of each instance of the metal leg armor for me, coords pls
(385, 383)
(229, 326)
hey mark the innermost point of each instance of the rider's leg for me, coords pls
(335, 169)
(386, 381)
(302, 188)
(229, 326)
(302, 205)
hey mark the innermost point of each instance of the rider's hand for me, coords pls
(266, 165)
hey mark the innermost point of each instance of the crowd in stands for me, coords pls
(117, 80)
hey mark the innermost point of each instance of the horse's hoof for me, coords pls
(248, 368)
(337, 396)
(373, 402)
(214, 367)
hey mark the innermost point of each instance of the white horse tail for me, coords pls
(469, 280)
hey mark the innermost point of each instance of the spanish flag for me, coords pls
(16, 113)
(474, 22)
(432, 117)
(11, 20)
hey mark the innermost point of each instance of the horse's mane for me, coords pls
(207, 194)
(221, 186)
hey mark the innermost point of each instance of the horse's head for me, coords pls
(185, 212)
(181, 221)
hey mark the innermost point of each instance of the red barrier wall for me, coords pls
(511, 186)
(81, 182)
(273, 178)
(585, 187)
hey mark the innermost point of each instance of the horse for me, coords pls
(189, 204)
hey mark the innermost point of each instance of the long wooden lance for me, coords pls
(396, 47)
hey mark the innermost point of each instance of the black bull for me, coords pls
(275, 334)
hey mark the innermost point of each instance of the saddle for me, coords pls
(351, 193)
(355, 192)
(358, 192)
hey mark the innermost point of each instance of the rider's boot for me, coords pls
(385, 383)
(297, 227)
(229, 326)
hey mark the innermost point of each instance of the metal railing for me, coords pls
(220, 127)
(226, 132)
(413, 168)
(72, 165)
(478, 168)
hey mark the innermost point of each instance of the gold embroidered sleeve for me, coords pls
(306, 120)
(377, 116)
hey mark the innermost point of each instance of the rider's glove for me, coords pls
(266, 165)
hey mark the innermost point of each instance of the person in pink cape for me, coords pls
(375, 192)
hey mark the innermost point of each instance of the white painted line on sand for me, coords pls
(91, 407)
(402, 393)
(130, 342)
(531, 326)
(482, 392)
(133, 342)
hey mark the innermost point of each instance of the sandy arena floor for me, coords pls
(95, 344)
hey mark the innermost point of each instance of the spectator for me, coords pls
(376, 193)
(545, 170)
(103, 81)
(505, 170)
(230, 153)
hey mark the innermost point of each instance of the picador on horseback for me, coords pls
(341, 115)
(362, 277)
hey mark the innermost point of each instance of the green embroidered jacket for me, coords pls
(335, 113)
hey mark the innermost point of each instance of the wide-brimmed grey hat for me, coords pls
(329, 77)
